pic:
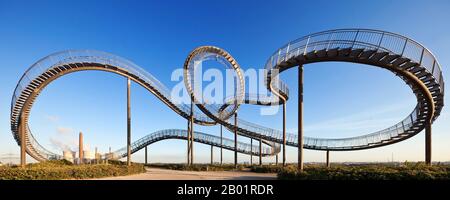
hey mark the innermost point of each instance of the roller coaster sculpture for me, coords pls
(404, 57)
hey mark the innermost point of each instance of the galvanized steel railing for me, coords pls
(198, 137)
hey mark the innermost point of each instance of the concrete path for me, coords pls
(165, 174)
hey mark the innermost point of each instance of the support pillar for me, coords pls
(300, 118)
(146, 155)
(284, 134)
(212, 154)
(328, 158)
(221, 145)
(188, 156)
(192, 137)
(276, 159)
(260, 151)
(235, 140)
(23, 139)
(128, 122)
(428, 143)
(251, 149)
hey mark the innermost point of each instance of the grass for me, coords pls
(266, 168)
(405, 171)
(55, 170)
(61, 169)
(199, 167)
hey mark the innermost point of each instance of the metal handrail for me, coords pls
(198, 137)
(309, 42)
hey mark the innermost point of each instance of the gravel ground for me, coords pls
(165, 174)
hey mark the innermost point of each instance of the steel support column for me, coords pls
(128, 122)
(235, 140)
(428, 143)
(276, 159)
(328, 158)
(221, 145)
(260, 151)
(188, 156)
(284, 134)
(212, 154)
(251, 150)
(192, 132)
(146, 155)
(300, 118)
(23, 139)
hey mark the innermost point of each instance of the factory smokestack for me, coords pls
(80, 150)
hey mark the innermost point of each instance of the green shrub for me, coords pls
(55, 170)
(407, 171)
(266, 168)
(198, 167)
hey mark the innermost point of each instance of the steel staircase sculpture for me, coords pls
(198, 137)
(406, 58)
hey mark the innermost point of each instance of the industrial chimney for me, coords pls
(80, 150)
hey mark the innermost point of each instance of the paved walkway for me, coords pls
(165, 174)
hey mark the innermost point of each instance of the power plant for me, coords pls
(69, 155)
(84, 156)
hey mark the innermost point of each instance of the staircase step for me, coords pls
(311, 55)
(49, 74)
(300, 58)
(344, 52)
(292, 61)
(378, 55)
(432, 85)
(356, 52)
(52, 70)
(389, 58)
(400, 61)
(428, 78)
(409, 65)
(332, 52)
(321, 53)
(422, 74)
(367, 54)
(72, 65)
(282, 65)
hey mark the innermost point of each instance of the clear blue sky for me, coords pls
(341, 99)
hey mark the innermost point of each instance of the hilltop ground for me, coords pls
(166, 174)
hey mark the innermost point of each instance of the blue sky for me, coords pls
(158, 35)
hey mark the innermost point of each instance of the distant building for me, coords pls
(69, 156)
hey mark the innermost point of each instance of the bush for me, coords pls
(55, 170)
(414, 171)
(266, 168)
